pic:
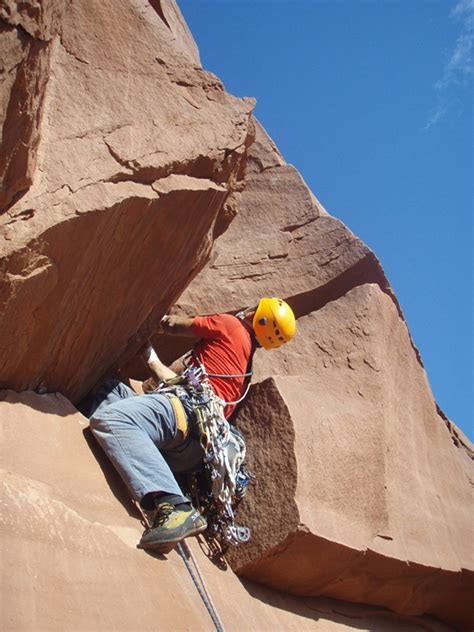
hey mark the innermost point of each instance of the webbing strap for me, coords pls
(182, 426)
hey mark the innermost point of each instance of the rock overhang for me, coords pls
(122, 154)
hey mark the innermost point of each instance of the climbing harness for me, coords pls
(221, 483)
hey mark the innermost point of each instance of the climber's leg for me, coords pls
(132, 431)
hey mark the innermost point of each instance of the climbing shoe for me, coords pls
(170, 525)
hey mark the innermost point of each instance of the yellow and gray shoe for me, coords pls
(170, 525)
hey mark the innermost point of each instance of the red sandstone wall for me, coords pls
(130, 179)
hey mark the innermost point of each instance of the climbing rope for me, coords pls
(186, 554)
(201, 371)
(230, 375)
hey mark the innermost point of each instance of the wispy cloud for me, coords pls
(458, 69)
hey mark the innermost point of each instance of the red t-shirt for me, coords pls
(224, 349)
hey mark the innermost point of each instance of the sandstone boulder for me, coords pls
(357, 475)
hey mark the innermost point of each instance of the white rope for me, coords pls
(203, 372)
(239, 400)
(230, 375)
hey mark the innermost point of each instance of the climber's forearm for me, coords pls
(180, 325)
(158, 370)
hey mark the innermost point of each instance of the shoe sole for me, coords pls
(165, 546)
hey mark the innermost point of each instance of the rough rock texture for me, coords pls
(122, 163)
(134, 150)
(24, 67)
(365, 480)
(70, 562)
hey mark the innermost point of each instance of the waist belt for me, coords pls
(182, 426)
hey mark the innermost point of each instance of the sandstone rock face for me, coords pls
(124, 169)
(69, 557)
(25, 47)
(282, 241)
(115, 169)
(346, 441)
(64, 523)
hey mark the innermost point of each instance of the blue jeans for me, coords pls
(134, 431)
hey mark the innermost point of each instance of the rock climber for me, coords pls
(150, 437)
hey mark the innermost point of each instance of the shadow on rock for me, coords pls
(48, 403)
(345, 614)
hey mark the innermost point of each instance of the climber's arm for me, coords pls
(181, 325)
(158, 370)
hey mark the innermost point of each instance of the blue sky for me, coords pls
(371, 100)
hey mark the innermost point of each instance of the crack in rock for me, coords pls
(69, 52)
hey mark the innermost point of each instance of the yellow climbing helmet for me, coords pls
(273, 323)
